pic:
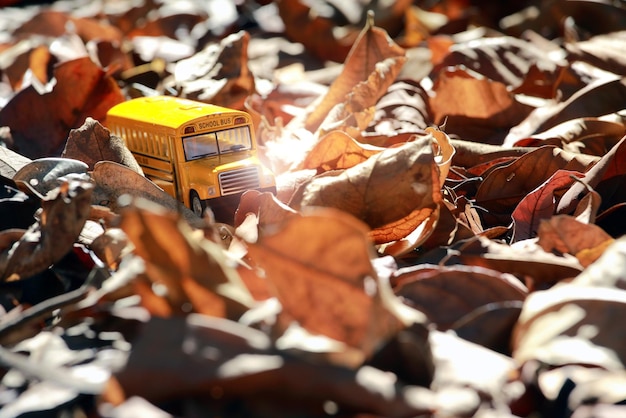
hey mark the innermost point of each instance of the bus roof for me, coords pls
(169, 111)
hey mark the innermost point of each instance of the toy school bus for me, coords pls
(201, 154)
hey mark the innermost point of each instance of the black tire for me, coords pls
(197, 205)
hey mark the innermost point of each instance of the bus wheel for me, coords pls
(197, 205)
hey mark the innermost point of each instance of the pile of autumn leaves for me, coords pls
(337, 294)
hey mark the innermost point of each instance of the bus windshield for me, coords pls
(214, 143)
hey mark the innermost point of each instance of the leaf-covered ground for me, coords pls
(446, 239)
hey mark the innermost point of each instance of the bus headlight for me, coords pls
(211, 191)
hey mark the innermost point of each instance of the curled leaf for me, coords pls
(383, 189)
(46, 174)
(92, 142)
(64, 212)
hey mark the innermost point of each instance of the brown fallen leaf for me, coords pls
(406, 234)
(336, 151)
(217, 74)
(64, 212)
(114, 180)
(402, 109)
(602, 97)
(475, 108)
(305, 24)
(265, 206)
(603, 51)
(484, 371)
(320, 270)
(447, 294)
(168, 25)
(444, 152)
(54, 24)
(372, 47)
(92, 142)
(526, 261)
(505, 59)
(505, 187)
(81, 89)
(25, 55)
(540, 205)
(607, 167)
(383, 189)
(607, 267)
(567, 235)
(593, 136)
(44, 175)
(357, 111)
(184, 271)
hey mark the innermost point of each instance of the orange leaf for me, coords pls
(567, 235)
(187, 271)
(474, 107)
(444, 152)
(387, 187)
(319, 266)
(81, 89)
(372, 47)
(265, 206)
(336, 151)
(408, 233)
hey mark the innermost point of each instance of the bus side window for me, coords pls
(137, 138)
(163, 141)
(136, 141)
(155, 149)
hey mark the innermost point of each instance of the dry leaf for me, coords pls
(447, 294)
(595, 99)
(268, 210)
(92, 142)
(114, 180)
(44, 175)
(385, 188)
(372, 47)
(336, 151)
(81, 89)
(217, 74)
(357, 111)
(403, 109)
(183, 269)
(608, 166)
(565, 234)
(319, 266)
(526, 260)
(305, 24)
(608, 269)
(540, 204)
(406, 234)
(475, 108)
(505, 187)
(591, 136)
(504, 59)
(572, 324)
(203, 355)
(65, 211)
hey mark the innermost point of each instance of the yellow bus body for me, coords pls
(201, 154)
